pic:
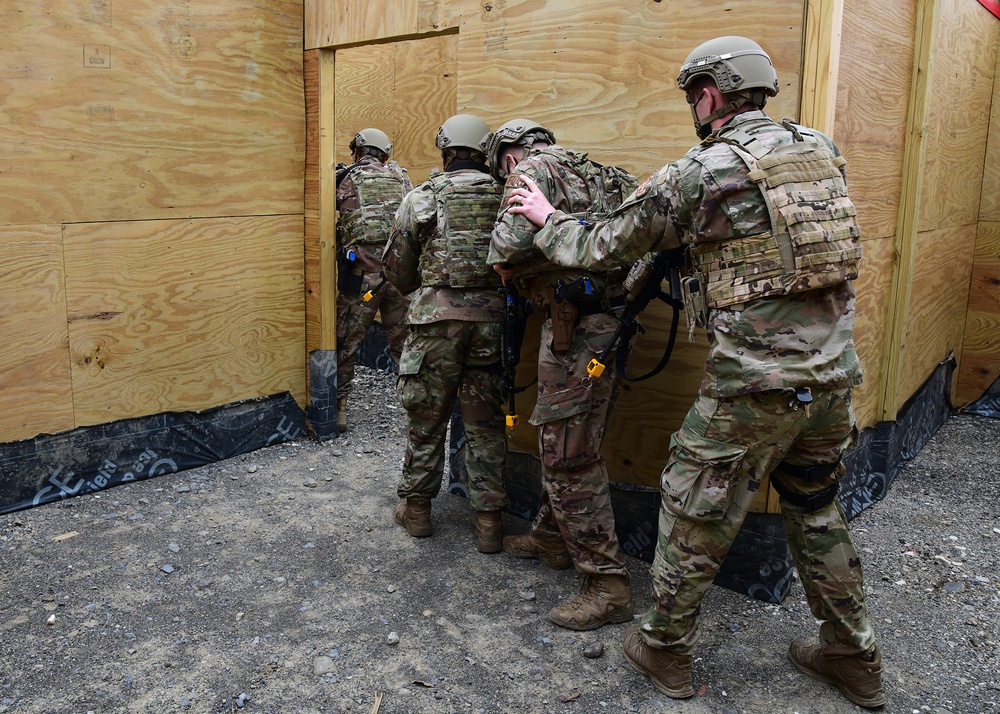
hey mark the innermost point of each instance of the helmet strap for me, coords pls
(703, 127)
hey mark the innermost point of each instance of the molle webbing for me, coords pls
(608, 186)
(466, 212)
(814, 240)
(379, 195)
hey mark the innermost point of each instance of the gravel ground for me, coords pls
(278, 582)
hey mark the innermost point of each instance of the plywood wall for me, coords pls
(34, 351)
(151, 202)
(870, 129)
(182, 315)
(980, 365)
(149, 109)
(960, 82)
(405, 88)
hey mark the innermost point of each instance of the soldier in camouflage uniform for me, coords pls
(575, 524)
(774, 245)
(438, 250)
(368, 194)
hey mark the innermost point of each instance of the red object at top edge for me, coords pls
(991, 5)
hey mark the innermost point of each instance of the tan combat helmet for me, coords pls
(374, 138)
(738, 66)
(464, 130)
(522, 132)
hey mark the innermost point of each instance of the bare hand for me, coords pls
(505, 271)
(530, 202)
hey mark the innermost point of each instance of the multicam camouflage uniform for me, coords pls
(364, 226)
(438, 244)
(775, 333)
(572, 410)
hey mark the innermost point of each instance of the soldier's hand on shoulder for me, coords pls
(529, 201)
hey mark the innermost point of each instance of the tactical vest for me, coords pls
(609, 186)
(379, 195)
(607, 189)
(814, 241)
(455, 256)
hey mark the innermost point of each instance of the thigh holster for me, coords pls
(816, 472)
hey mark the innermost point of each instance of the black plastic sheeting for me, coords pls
(322, 409)
(987, 405)
(50, 468)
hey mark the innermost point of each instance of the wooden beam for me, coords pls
(328, 203)
(906, 231)
(821, 63)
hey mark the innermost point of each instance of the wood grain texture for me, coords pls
(35, 394)
(938, 304)
(989, 209)
(961, 84)
(821, 63)
(332, 23)
(871, 116)
(602, 75)
(872, 288)
(149, 109)
(909, 197)
(183, 315)
(406, 89)
(638, 437)
(319, 242)
(364, 95)
(426, 82)
(327, 217)
(979, 365)
(312, 198)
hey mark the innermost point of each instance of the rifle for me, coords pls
(643, 286)
(515, 315)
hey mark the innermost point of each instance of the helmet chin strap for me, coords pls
(703, 127)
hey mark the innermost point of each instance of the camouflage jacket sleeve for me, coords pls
(652, 218)
(414, 220)
(513, 234)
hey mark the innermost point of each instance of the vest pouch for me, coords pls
(456, 254)
(700, 479)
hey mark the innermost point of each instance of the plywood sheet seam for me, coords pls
(909, 199)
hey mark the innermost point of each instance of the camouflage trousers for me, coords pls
(572, 413)
(718, 461)
(443, 361)
(355, 317)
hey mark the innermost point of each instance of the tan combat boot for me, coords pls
(552, 553)
(670, 673)
(858, 677)
(489, 531)
(415, 516)
(604, 599)
(341, 414)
